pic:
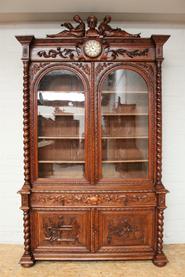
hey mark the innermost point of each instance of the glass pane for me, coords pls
(124, 125)
(61, 114)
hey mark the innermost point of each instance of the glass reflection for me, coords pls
(124, 101)
(61, 128)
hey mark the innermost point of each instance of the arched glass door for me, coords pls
(61, 125)
(124, 125)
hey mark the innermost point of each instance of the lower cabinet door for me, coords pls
(64, 230)
(125, 230)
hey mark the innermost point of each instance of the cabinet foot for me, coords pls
(160, 260)
(27, 261)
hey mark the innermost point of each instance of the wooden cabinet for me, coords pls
(92, 145)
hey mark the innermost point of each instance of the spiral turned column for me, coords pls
(27, 258)
(159, 259)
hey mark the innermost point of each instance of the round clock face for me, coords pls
(92, 48)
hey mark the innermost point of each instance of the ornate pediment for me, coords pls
(93, 29)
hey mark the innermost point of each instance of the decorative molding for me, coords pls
(124, 230)
(103, 30)
(93, 199)
(62, 53)
(115, 53)
(61, 230)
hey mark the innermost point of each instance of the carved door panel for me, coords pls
(121, 230)
(64, 230)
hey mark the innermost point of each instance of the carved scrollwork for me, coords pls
(59, 52)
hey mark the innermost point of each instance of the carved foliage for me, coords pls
(102, 66)
(62, 53)
(124, 230)
(61, 229)
(115, 53)
(93, 199)
(85, 67)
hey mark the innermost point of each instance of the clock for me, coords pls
(92, 48)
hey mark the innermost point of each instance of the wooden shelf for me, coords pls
(123, 92)
(57, 137)
(128, 137)
(125, 161)
(61, 162)
(62, 114)
(124, 114)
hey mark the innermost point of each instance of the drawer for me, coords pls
(125, 230)
(98, 198)
(66, 230)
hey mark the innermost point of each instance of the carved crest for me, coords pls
(104, 29)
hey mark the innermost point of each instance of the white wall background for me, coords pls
(11, 146)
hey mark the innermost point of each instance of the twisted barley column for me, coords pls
(160, 210)
(27, 242)
(26, 123)
(26, 215)
(158, 127)
(160, 224)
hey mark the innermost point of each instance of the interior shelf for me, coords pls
(125, 161)
(61, 162)
(104, 137)
(123, 92)
(124, 114)
(128, 137)
(58, 137)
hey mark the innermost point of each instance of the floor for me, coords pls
(10, 254)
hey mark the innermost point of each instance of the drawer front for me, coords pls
(61, 230)
(77, 199)
(125, 230)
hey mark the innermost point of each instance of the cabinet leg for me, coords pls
(27, 260)
(160, 260)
